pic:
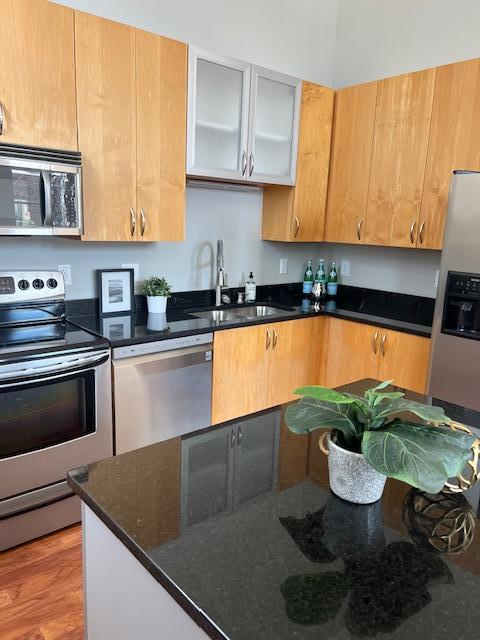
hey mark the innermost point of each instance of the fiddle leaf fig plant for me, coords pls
(381, 425)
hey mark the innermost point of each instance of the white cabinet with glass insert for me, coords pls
(242, 121)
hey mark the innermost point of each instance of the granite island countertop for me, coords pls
(401, 312)
(284, 558)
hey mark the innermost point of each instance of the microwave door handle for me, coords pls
(63, 367)
(47, 198)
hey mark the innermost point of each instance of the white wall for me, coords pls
(233, 216)
(292, 37)
(381, 38)
(401, 270)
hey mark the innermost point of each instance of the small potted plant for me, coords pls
(375, 436)
(157, 291)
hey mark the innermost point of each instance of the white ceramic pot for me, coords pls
(351, 477)
(157, 304)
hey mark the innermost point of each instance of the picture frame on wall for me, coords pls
(115, 290)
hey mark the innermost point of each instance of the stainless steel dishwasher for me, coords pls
(162, 390)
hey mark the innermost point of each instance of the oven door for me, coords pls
(55, 415)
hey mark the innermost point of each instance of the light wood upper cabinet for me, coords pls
(37, 74)
(297, 214)
(131, 94)
(350, 163)
(400, 143)
(404, 359)
(454, 143)
(260, 366)
(105, 57)
(357, 351)
(161, 89)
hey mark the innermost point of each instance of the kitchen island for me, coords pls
(233, 533)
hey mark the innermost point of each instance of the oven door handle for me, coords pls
(68, 366)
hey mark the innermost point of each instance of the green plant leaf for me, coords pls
(325, 394)
(420, 455)
(429, 413)
(387, 395)
(309, 414)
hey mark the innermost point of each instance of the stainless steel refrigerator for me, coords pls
(455, 357)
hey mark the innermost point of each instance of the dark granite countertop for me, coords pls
(411, 314)
(278, 556)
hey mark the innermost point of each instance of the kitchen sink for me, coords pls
(246, 313)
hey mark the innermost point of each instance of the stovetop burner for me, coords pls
(32, 314)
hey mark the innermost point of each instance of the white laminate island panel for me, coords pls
(122, 600)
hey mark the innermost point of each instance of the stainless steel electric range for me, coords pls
(55, 405)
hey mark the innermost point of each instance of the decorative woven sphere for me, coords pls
(470, 473)
(443, 521)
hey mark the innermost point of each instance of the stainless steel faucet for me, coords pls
(220, 281)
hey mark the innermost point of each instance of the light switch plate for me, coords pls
(283, 265)
(345, 268)
(66, 269)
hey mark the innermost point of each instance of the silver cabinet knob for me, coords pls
(143, 222)
(359, 229)
(2, 118)
(251, 164)
(412, 231)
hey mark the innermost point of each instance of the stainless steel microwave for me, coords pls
(40, 192)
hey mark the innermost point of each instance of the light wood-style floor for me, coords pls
(41, 589)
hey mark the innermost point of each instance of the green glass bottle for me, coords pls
(321, 276)
(332, 281)
(308, 278)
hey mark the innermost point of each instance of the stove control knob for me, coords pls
(38, 284)
(23, 284)
(52, 283)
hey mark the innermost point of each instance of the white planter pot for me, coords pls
(351, 477)
(157, 304)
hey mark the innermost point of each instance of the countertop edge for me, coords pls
(354, 316)
(196, 614)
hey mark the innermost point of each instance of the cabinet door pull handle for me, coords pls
(133, 221)
(384, 339)
(239, 436)
(251, 164)
(2, 118)
(233, 438)
(421, 233)
(244, 162)
(359, 229)
(143, 221)
(268, 339)
(374, 342)
(412, 231)
(275, 338)
(297, 227)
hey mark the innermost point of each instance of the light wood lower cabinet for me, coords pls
(260, 366)
(37, 74)
(404, 358)
(357, 351)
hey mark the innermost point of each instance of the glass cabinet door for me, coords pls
(274, 119)
(217, 116)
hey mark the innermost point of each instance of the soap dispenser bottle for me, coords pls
(250, 289)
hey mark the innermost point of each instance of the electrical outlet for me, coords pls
(66, 269)
(345, 268)
(136, 270)
(283, 265)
